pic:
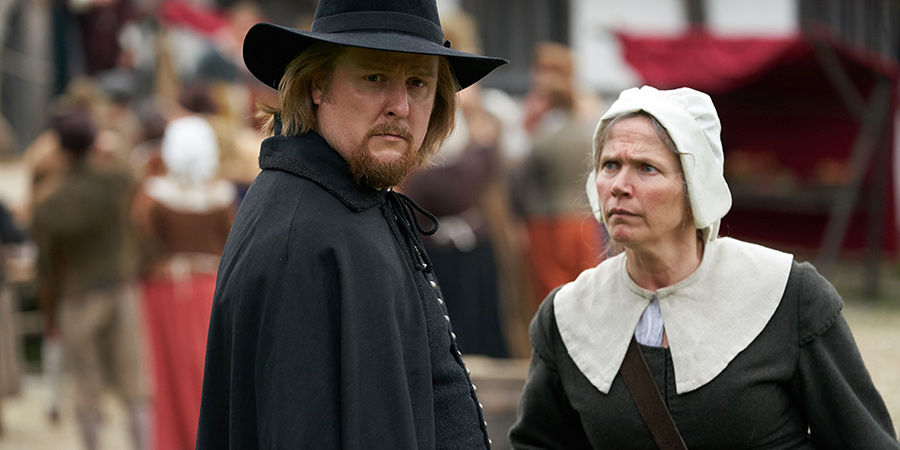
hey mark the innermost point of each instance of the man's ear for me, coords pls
(316, 93)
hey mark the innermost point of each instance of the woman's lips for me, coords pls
(620, 212)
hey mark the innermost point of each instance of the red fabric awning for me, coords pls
(716, 64)
(700, 60)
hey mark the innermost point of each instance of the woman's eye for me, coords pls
(417, 83)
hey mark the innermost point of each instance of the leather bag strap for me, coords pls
(649, 401)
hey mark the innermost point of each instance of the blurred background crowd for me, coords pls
(146, 108)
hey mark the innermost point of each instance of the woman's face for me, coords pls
(641, 188)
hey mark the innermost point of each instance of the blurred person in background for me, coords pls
(742, 346)
(115, 127)
(11, 236)
(47, 162)
(98, 25)
(26, 68)
(562, 239)
(184, 217)
(12, 246)
(235, 91)
(145, 158)
(85, 281)
(223, 59)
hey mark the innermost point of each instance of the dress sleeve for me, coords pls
(843, 406)
(546, 419)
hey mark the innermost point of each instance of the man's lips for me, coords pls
(391, 137)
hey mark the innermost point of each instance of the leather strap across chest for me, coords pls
(649, 401)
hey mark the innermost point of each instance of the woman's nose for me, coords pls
(621, 184)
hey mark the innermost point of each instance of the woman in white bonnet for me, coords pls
(185, 216)
(747, 347)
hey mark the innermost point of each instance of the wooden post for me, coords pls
(875, 219)
(695, 12)
(872, 131)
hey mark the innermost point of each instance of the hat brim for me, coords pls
(269, 48)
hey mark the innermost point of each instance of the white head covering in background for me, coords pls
(190, 150)
(693, 124)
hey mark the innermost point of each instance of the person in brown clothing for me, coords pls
(185, 216)
(84, 281)
(562, 239)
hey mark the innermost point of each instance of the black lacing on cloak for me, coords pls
(405, 210)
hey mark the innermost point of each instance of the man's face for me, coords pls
(375, 112)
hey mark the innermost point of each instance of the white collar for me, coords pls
(710, 316)
(196, 198)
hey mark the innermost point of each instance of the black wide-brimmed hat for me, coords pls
(409, 26)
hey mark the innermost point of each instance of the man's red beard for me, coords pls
(384, 174)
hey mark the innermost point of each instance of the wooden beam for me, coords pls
(838, 77)
(695, 12)
(875, 212)
(871, 133)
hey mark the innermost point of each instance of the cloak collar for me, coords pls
(309, 156)
(710, 317)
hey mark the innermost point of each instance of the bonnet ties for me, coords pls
(405, 210)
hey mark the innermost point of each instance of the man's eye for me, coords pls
(372, 78)
(610, 165)
(649, 169)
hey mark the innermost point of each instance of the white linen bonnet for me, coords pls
(190, 150)
(693, 124)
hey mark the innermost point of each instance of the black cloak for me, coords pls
(328, 329)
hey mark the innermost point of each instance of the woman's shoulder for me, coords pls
(544, 318)
(543, 331)
(567, 306)
(818, 303)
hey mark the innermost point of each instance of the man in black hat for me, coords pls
(328, 329)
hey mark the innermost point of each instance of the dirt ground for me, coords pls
(877, 332)
(875, 323)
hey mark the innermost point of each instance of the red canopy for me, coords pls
(723, 64)
(203, 19)
(786, 129)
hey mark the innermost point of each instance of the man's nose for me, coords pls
(398, 101)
